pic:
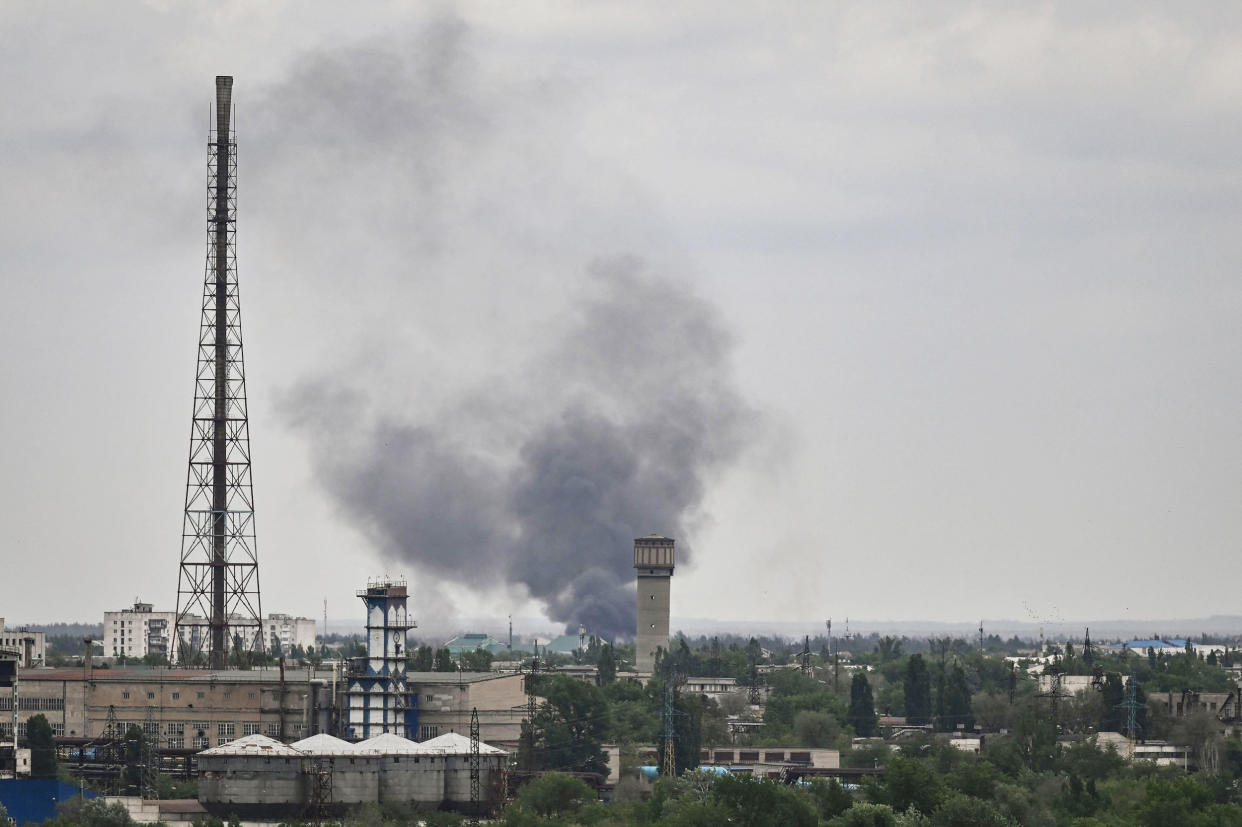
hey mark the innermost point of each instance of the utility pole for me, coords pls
(981, 647)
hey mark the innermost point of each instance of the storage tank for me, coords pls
(454, 749)
(407, 773)
(343, 775)
(252, 777)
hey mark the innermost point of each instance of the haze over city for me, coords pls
(884, 312)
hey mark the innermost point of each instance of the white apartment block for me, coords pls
(138, 631)
(30, 647)
(288, 631)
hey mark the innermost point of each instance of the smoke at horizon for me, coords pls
(517, 423)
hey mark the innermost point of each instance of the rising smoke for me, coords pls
(607, 419)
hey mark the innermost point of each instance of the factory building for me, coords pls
(653, 566)
(196, 709)
(379, 700)
(258, 777)
(192, 709)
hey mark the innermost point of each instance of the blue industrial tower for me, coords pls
(379, 700)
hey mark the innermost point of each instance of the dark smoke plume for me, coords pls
(445, 435)
(651, 411)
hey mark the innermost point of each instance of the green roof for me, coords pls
(472, 641)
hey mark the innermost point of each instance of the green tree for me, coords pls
(815, 729)
(132, 775)
(830, 797)
(568, 727)
(1113, 693)
(423, 659)
(866, 815)
(908, 782)
(889, 648)
(862, 706)
(963, 811)
(762, 803)
(688, 729)
(917, 691)
(480, 660)
(444, 661)
(554, 795)
(956, 701)
(42, 747)
(607, 665)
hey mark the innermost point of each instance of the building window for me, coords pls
(125, 695)
(201, 742)
(201, 695)
(225, 729)
(175, 728)
(271, 730)
(220, 741)
(200, 727)
(250, 729)
(150, 730)
(150, 696)
(428, 731)
(176, 743)
(176, 696)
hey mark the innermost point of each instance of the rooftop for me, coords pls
(453, 743)
(254, 745)
(324, 744)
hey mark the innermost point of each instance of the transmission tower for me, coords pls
(218, 588)
(670, 749)
(476, 769)
(530, 685)
(150, 755)
(805, 656)
(1131, 705)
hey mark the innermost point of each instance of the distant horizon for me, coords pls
(1103, 628)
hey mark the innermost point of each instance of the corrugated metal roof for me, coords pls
(453, 743)
(324, 744)
(254, 745)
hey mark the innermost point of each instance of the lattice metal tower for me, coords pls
(218, 607)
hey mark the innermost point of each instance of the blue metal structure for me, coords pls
(379, 698)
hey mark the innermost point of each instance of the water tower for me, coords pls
(653, 565)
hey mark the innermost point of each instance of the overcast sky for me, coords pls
(939, 302)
